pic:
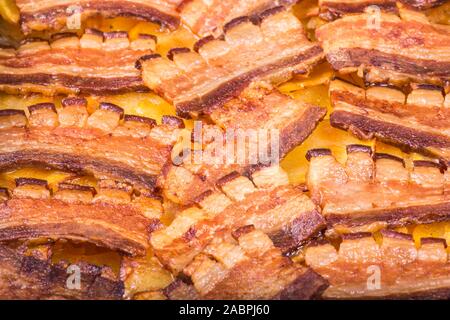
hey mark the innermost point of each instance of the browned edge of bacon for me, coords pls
(364, 268)
(245, 265)
(372, 191)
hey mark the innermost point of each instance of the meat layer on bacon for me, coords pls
(362, 268)
(97, 63)
(246, 267)
(371, 192)
(27, 277)
(419, 121)
(388, 48)
(267, 201)
(333, 9)
(106, 143)
(220, 69)
(53, 15)
(111, 216)
(209, 17)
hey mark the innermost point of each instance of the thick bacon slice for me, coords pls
(44, 15)
(95, 63)
(30, 278)
(106, 143)
(419, 121)
(388, 48)
(267, 201)
(199, 82)
(332, 9)
(368, 193)
(208, 17)
(111, 216)
(249, 267)
(396, 269)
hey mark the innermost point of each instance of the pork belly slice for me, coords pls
(220, 69)
(395, 269)
(95, 63)
(106, 143)
(372, 192)
(333, 9)
(391, 48)
(243, 268)
(39, 15)
(25, 277)
(266, 201)
(209, 17)
(419, 121)
(111, 216)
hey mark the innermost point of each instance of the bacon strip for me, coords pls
(396, 269)
(388, 48)
(267, 201)
(420, 121)
(249, 267)
(368, 193)
(30, 278)
(199, 82)
(44, 15)
(110, 216)
(96, 63)
(133, 149)
(208, 17)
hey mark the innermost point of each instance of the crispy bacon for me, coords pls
(396, 269)
(27, 277)
(371, 192)
(199, 82)
(388, 48)
(209, 17)
(44, 15)
(106, 143)
(247, 267)
(95, 63)
(419, 121)
(111, 216)
(267, 201)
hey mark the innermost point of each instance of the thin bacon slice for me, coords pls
(372, 192)
(53, 15)
(199, 82)
(267, 201)
(208, 17)
(28, 277)
(247, 267)
(111, 216)
(388, 48)
(95, 63)
(419, 121)
(364, 269)
(106, 143)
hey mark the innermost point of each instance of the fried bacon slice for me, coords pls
(97, 62)
(111, 216)
(208, 17)
(388, 48)
(333, 9)
(395, 269)
(246, 267)
(53, 15)
(372, 192)
(220, 69)
(28, 277)
(419, 121)
(106, 143)
(267, 201)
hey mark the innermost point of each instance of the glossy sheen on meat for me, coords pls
(362, 268)
(371, 192)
